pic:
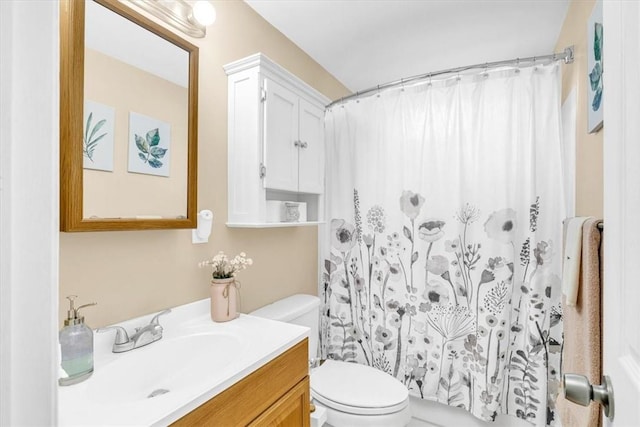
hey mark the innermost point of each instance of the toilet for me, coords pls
(353, 395)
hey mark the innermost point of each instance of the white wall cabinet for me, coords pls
(276, 142)
(293, 142)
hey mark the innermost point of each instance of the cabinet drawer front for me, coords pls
(241, 403)
(292, 410)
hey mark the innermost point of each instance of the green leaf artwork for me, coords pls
(90, 140)
(595, 76)
(597, 99)
(150, 152)
(597, 41)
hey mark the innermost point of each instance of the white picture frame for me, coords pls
(149, 145)
(98, 136)
(595, 69)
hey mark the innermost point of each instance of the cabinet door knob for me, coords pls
(303, 145)
(296, 143)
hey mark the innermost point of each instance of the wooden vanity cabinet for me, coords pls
(276, 394)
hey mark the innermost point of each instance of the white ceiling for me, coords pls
(120, 38)
(364, 43)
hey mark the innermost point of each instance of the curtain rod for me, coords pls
(566, 56)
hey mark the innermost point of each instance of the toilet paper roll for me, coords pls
(203, 231)
(206, 215)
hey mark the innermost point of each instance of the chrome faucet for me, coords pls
(143, 335)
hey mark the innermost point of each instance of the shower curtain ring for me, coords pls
(378, 95)
(517, 65)
(402, 84)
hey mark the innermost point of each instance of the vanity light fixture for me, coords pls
(204, 12)
(191, 20)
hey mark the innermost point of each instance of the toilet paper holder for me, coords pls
(203, 231)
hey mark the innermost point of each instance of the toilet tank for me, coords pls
(298, 309)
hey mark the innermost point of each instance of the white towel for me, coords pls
(571, 258)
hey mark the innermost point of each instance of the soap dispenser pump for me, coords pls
(76, 346)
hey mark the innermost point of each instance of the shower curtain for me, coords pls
(444, 206)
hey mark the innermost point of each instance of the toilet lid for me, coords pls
(357, 389)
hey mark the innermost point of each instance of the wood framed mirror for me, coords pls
(128, 121)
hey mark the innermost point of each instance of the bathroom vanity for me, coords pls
(249, 371)
(276, 394)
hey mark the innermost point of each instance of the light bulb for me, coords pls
(204, 13)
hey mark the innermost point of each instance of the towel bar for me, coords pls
(600, 225)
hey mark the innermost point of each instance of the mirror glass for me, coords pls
(128, 120)
(135, 120)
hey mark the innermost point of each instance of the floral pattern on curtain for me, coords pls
(446, 280)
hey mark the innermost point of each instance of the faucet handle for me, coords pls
(155, 321)
(121, 334)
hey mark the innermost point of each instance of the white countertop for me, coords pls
(256, 341)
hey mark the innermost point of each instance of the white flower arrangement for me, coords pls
(225, 268)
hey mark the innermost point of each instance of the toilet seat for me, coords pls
(357, 389)
(355, 410)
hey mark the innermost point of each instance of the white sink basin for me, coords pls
(157, 384)
(166, 366)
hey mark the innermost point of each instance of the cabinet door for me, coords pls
(292, 410)
(280, 137)
(311, 158)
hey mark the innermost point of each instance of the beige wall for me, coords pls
(129, 89)
(138, 272)
(589, 178)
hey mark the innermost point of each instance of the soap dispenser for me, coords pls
(76, 346)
